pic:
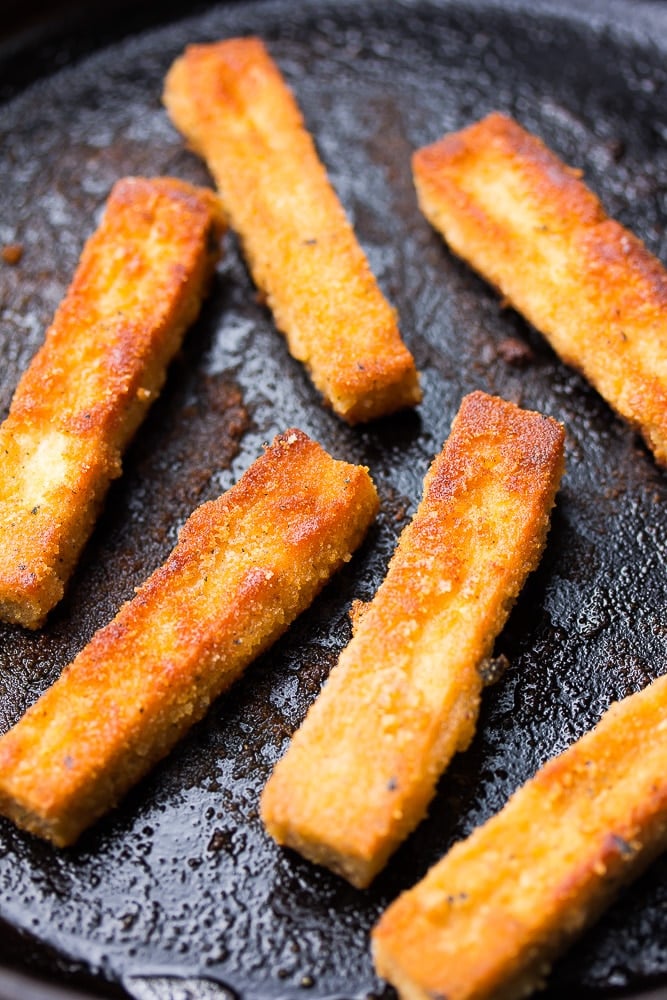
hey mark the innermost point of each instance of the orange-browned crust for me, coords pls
(525, 221)
(232, 104)
(138, 286)
(488, 919)
(244, 567)
(404, 696)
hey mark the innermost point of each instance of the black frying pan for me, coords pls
(179, 892)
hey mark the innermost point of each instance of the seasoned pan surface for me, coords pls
(179, 892)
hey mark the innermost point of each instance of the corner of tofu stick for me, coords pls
(244, 567)
(139, 284)
(404, 697)
(233, 106)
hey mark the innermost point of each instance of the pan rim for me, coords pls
(647, 15)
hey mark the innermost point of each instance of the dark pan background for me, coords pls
(179, 893)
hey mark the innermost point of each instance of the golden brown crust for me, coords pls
(244, 567)
(233, 106)
(138, 286)
(488, 919)
(359, 774)
(525, 221)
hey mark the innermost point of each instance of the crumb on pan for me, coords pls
(12, 253)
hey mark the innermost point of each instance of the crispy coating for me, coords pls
(234, 108)
(138, 286)
(511, 209)
(244, 567)
(404, 696)
(488, 919)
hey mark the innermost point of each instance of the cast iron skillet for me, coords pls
(178, 893)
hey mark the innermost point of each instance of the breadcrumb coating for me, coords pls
(404, 696)
(138, 286)
(488, 920)
(244, 567)
(510, 208)
(231, 103)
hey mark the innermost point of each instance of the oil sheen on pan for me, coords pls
(180, 882)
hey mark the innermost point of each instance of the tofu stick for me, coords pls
(231, 103)
(138, 286)
(244, 567)
(404, 697)
(511, 209)
(488, 919)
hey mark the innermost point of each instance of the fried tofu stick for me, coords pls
(488, 920)
(244, 567)
(511, 209)
(138, 286)
(404, 696)
(233, 106)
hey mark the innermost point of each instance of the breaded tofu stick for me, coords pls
(138, 286)
(511, 209)
(404, 696)
(244, 567)
(488, 920)
(231, 103)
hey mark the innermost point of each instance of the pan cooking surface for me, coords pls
(179, 889)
